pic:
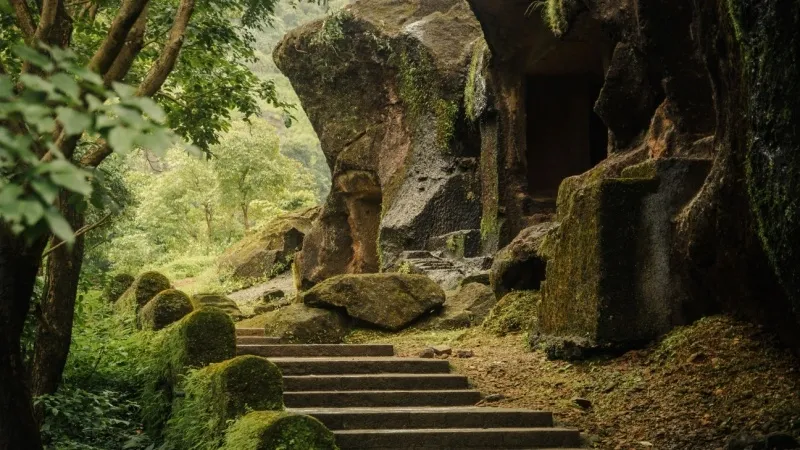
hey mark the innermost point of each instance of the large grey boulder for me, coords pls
(390, 300)
(521, 264)
(467, 307)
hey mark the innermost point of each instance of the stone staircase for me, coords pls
(371, 399)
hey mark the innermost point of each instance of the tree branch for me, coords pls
(133, 46)
(80, 232)
(108, 51)
(165, 63)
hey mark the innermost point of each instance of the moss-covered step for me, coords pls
(266, 430)
(378, 382)
(330, 366)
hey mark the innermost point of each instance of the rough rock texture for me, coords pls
(521, 265)
(465, 308)
(218, 301)
(391, 301)
(515, 312)
(268, 250)
(262, 430)
(383, 84)
(118, 285)
(300, 324)
(164, 309)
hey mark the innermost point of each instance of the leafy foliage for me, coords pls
(67, 101)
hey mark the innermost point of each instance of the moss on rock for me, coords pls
(514, 313)
(221, 393)
(118, 285)
(300, 324)
(165, 308)
(147, 286)
(278, 431)
(218, 301)
(388, 300)
(199, 339)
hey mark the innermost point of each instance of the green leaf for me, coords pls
(74, 122)
(5, 7)
(67, 85)
(68, 176)
(47, 191)
(6, 87)
(87, 75)
(36, 83)
(159, 141)
(34, 57)
(32, 211)
(122, 139)
(123, 90)
(59, 226)
(149, 107)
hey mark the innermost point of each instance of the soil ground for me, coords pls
(695, 389)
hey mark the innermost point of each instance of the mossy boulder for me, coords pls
(117, 286)
(268, 251)
(264, 430)
(147, 285)
(300, 324)
(218, 301)
(390, 300)
(516, 312)
(165, 308)
(220, 393)
(521, 265)
(201, 338)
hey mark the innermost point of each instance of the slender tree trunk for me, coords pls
(246, 217)
(54, 332)
(19, 264)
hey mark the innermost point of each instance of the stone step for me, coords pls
(381, 382)
(371, 365)
(249, 332)
(257, 340)
(319, 350)
(350, 399)
(457, 438)
(410, 418)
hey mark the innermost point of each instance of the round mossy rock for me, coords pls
(166, 308)
(265, 430)
(148, 285)
(201, 338)
(218, 301)
(117, 286)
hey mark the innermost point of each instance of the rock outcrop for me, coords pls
(390, 301)
(269, 250)
(218, 301)
(383, 84)
(521, 265)
(467, 307)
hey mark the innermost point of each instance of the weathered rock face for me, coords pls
(391, 301)
(218, 301)
(383, 84)
(269, 249)
(300, 324)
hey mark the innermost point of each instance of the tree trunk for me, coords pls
(245, 216)
(19, 264)
(54, 331)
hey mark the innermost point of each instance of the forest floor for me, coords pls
(695, 389)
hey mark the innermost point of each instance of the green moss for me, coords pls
(164, 309)
(148, 285)
(456, 244)
(557, 14)
(278, 431)
(219, 301)
(118, 285)
(299, 324)
(424, 93)
(515, 312)
(332, 30)
(474, 91)
(199, 339)
(218, 394)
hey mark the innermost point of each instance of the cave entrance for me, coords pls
(564, 135)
